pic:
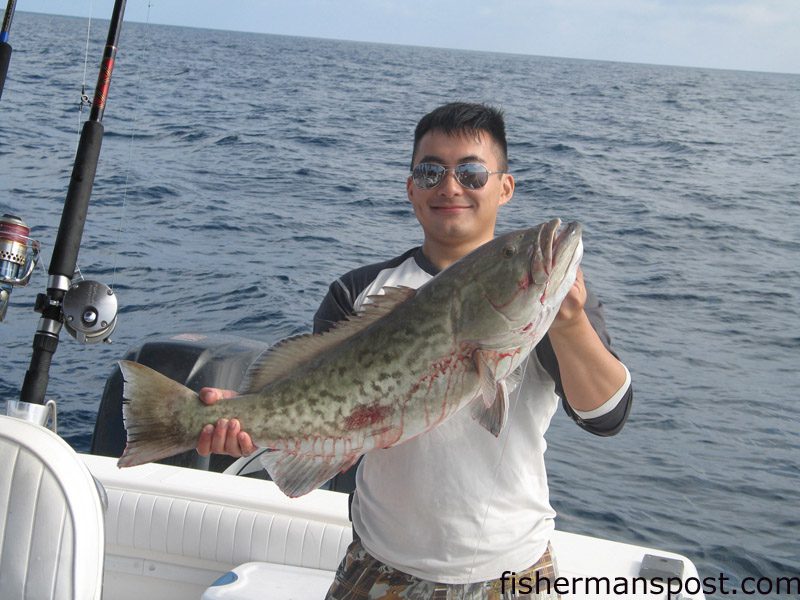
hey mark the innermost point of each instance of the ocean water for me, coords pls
(241, 173)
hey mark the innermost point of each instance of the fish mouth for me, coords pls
(568, 244)
(559, 249)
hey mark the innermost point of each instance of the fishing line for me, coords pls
(85, 101)
(511, 411)
(121, 225)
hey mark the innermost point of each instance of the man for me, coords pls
(448, 512)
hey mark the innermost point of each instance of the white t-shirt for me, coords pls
(456, 504)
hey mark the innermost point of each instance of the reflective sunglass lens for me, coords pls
(472, 175)
(428, 175)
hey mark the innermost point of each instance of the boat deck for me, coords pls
(171, 532)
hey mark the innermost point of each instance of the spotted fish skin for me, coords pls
(410, 361)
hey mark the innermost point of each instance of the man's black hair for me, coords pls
(460, 118)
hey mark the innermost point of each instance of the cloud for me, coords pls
(766, 13)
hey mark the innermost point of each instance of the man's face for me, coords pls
(450, 214)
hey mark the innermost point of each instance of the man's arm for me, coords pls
(592, 382)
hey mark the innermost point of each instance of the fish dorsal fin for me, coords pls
(384, 303)
(292, 352)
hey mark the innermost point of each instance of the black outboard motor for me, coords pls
(195, 360)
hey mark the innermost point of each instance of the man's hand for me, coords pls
(572, 306)
(590, 374)
(226, 437)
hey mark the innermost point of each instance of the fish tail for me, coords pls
(153, 407)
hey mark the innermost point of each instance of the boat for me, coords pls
(174, 533)
(73, 525)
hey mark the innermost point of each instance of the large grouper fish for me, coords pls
(408, 362)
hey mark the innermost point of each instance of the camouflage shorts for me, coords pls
(362, 577)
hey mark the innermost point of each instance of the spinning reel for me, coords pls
(18, 257)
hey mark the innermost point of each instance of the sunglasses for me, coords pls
(472, 176)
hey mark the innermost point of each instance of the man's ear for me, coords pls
(507, 188)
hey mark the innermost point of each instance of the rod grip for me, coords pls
(76, 205)
(34, 387)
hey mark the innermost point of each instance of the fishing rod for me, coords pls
(87, 309)
(19, 253)
(5, 47)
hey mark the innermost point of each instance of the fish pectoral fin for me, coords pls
(297, 474)
(493, 417)
(515, 378)
(486, 376)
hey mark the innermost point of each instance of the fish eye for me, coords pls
(509, 251)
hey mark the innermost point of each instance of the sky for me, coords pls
(752, 35)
